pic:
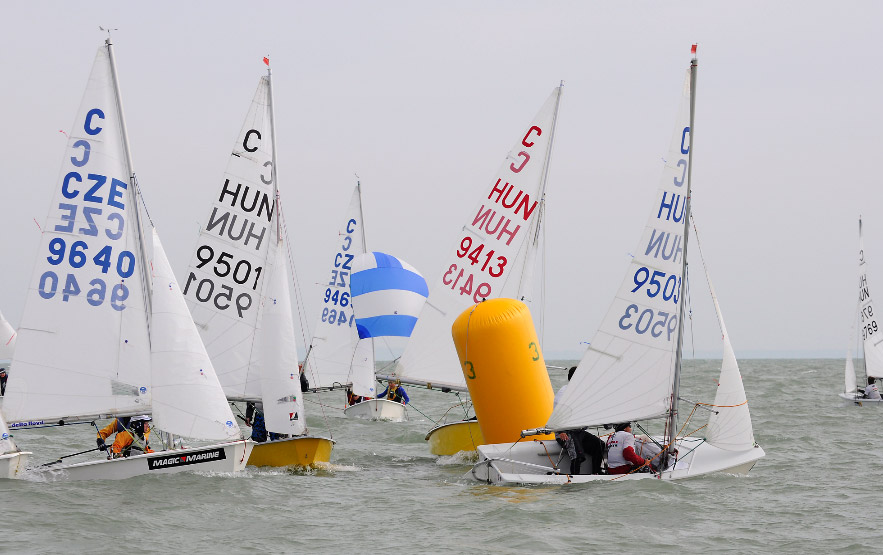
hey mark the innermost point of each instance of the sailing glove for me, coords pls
(101, 445)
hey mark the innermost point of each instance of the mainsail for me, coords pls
(224, 287)
(488, 258)
(872, 333)
(83, 346)
(336, 356)
(629, 370)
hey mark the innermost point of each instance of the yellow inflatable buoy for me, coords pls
(504, 368)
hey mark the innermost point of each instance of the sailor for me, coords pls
(254, 417)
(352, 398)
(304, 382)
(3, 377)
(395, 392)
(621, 456)
(130, 433)
(871, 391)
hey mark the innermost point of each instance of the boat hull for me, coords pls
(222, 457)
(857, 399)
(293, 451)
(377, 409)
(450, 439)
(12, 465)
(544, 462)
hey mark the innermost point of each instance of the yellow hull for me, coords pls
(450, 439)
(293, 451)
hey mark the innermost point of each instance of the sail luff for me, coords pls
(133, 192)
(676, 384)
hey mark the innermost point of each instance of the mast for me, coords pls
(133, 191)
(671, 433)
(273, 152)
(862, 342)
(364, 250)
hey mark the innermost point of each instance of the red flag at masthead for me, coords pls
(267, 60)
(692, 50)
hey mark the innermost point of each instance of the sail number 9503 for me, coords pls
(642, 321)
(658, 283)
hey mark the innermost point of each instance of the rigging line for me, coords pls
(421, 412)
(300, 307)
(705, 267)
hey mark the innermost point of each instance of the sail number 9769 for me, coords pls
(642, 321)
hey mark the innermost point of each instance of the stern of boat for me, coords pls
(294, 451)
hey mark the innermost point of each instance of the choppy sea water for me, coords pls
(816, 490)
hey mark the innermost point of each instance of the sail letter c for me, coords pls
(352, 223)
(64, 186)
(264, 180)
(86, 149)
(683, 138)
(245, 140)
(681, 163)
(88, 125)
(526, 135)
(521, 167)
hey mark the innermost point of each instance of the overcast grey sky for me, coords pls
(423, 101)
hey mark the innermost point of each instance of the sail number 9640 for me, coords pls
(642, 321)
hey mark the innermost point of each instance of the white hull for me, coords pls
(12, 465)
(222, 457)
(542, 462)
(858, 399)
(377, 409)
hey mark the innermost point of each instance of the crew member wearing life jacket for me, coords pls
(621, 456)
(395, 392)
(871, 391)
(130, 432)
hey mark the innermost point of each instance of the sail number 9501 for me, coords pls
(642, 321)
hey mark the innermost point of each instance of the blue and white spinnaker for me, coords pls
(387, 295)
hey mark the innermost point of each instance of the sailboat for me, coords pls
(336, 358)
(493, 256)
(631, 371)
(387, 295)
(12, 460)
(102, 336)
(238, 292)
(872, 335)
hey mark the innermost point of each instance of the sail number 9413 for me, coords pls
(642, 321)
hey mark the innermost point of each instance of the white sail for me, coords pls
(224, 285)
(487, 260)
(849, 385)
(82, 347)
(336, 355)
(7, 445)
(187, 397)
(872, 332)
(280, 380)
(730, 426)
(628, 371)
(7, 341)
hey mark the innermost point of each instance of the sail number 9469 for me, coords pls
(642, 321)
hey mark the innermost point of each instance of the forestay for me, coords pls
(82, 347)
(488, 257)
(336, 356)
(872, 333)
(628, 371)
(387, 295)
(224, 286)
(187, 397)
